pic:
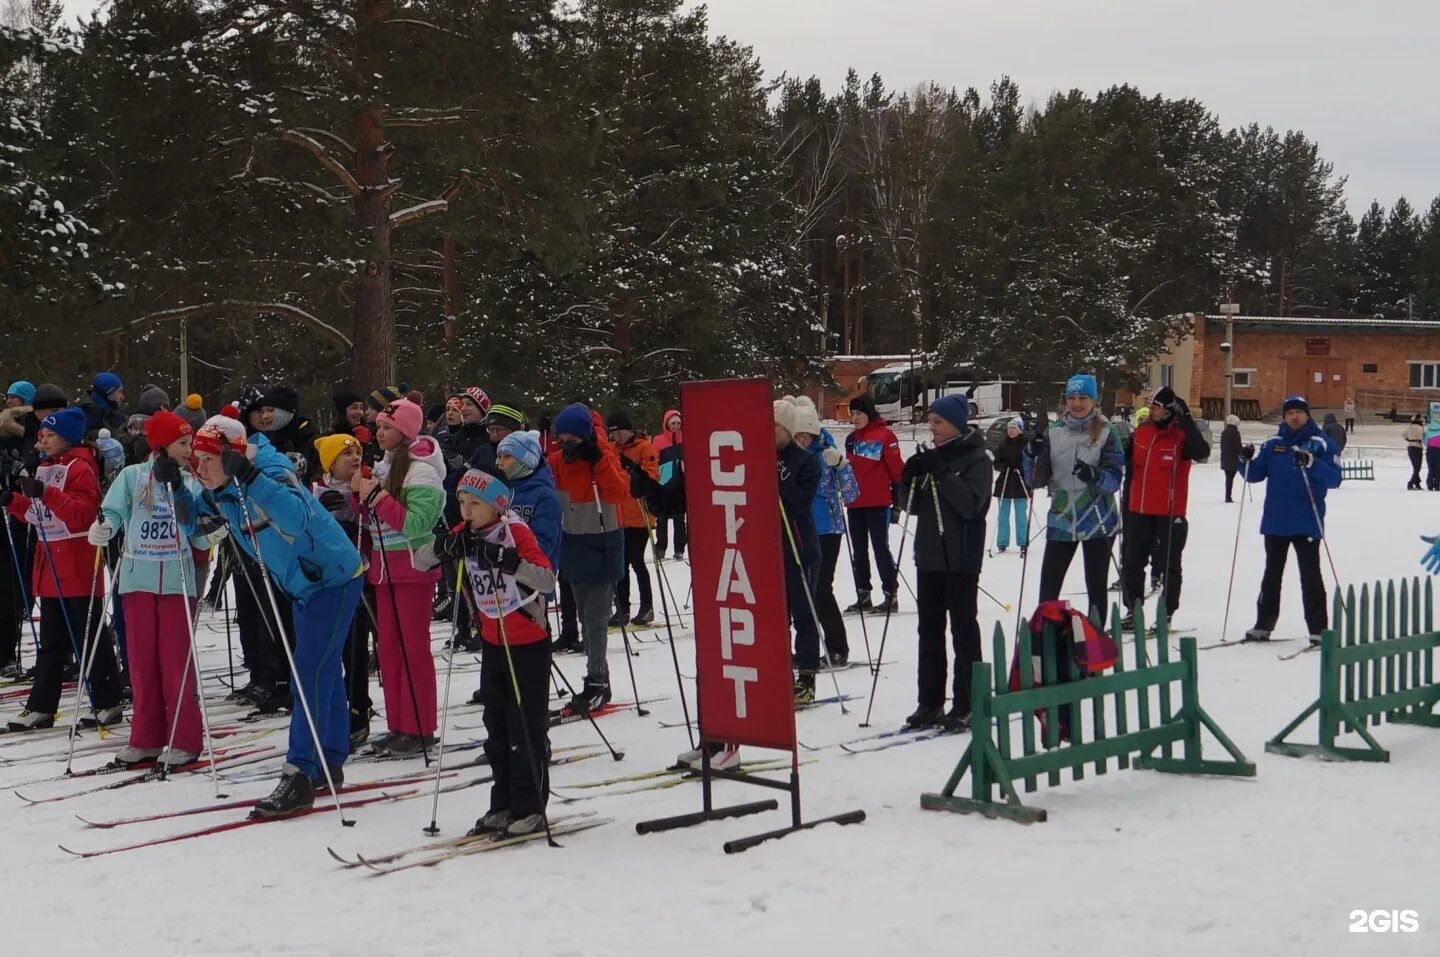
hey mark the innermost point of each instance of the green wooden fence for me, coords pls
(1357, 471)
(994, 765)
(1377, 663)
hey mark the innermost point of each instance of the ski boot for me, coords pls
(645, 616)
(805, 688)
(923, 717)
(294, 792)
(862, 604)
(890, 606)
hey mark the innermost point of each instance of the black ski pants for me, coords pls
(1230, 485)
(517, 727)
(15, 593)
(255, 620)
(1416, 457)
(832, 622)
(1432, 463)
(663, 521)
(1162, 541)
(954, 596)
(356, 661)
(637, 541)
(1096, 555)
(60, 620)
(1312, 586)
(872, 524)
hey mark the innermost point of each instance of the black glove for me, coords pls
(1087, 473)
(166, 471)
(543, 423)
(454, 545)
(1037, 446)
(491, 553)
(1303, 457)
(914, 469)
(238, 466)
(932, 461)
(509, 560)
(334, 501)
(30, 462)
(1247, 452)
(207, 525)
(456, 462)
(6, 495)
(588, 450)
(1179, 408)
(30, 487)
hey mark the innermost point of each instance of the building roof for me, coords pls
(1339, 323)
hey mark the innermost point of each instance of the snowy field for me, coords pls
(1130, 863)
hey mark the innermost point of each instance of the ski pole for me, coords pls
(24, 592)
(88, 660)
(290, 657)
(1025, 559)
(1235, 555)
(434, 828)
(222, 568)
(520, 707)
(640, 711)
(669, 631)
(810, 601)
(379, 528)
(885, 631)
(1319, 523)
(180, 551)
(850, 549)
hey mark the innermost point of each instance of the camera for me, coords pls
(1225, 347)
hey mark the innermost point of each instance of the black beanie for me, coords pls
(864, 403)
(282, 397)
(620, 419)
(49, 396)
(344, 399)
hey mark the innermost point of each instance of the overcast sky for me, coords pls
(1360, 77)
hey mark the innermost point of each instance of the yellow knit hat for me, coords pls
(330, 447)
(194, 401)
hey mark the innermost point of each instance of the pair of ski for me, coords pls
(807, 706)
(234, 758)
(569, 715)
(1247, 641)
(883, 740)
(434, 852)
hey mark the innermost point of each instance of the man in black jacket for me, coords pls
(799, 476)
(949, 488)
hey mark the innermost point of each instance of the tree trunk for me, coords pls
(373, 362)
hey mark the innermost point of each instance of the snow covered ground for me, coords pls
(1130, 863)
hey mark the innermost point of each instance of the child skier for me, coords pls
(507, 574)
(341, 456)
(404, 499)
(156, 594)
(1010, 488)
(279, 524)
(60, 500)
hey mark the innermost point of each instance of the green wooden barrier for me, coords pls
(1376, 664)
(1357, 471)
(991, 759)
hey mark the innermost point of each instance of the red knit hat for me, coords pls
(164, 428)
(476, 395)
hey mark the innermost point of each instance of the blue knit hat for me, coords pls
(68, 423)
(106, 383)
(954, 409)
(1083, 384)
(485, 486)
(1295, 402)
(575, 420)
(22, 390)
(523, 447)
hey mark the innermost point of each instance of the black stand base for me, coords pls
(745, 843)
(700, 817)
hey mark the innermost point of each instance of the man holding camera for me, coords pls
(1159, 456)
(1298, 463)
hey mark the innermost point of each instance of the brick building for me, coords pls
(1383, 364)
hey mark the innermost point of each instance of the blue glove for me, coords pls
(1431, 559)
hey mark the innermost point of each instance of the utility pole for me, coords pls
(1229, 310)
(184, 362)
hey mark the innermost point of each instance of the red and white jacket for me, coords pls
(874, 455)
(518, 597)
(60, 520)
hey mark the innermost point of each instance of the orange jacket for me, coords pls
(593, 547)
(642, 453)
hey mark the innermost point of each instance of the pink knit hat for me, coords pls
(405, 416)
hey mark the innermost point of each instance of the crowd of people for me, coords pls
(396, 516)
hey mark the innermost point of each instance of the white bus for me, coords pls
(903, 392)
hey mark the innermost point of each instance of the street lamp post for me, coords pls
(1229, 310)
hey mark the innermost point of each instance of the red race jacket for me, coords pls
(61, 519)
(874, 455)
(1160, 460)
(519, 597)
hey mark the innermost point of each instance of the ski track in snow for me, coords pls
(1128, 862)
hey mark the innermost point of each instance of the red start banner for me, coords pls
(742, 627)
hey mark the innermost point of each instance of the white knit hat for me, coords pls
(807, 419)
(786, 414)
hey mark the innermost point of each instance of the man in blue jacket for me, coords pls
(309, 559)
(1298, 463)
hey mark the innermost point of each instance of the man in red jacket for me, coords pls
(874, 455)
(1160, 454)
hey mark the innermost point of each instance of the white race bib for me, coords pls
(151, 535)
(52, 527)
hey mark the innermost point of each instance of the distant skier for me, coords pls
(1298, 464)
